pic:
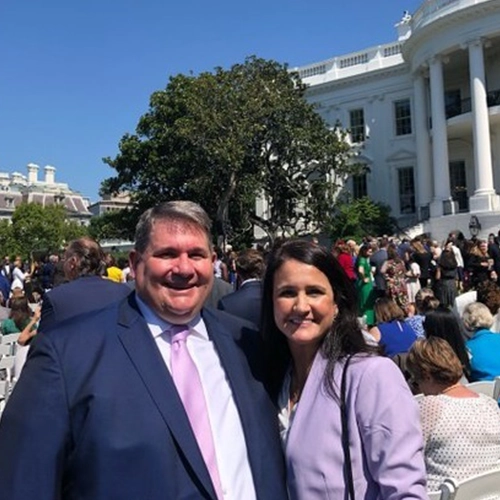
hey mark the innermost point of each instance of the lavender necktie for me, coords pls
(188, 383)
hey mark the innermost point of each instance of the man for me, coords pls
(377, 260)
(86, 289)
(7, 269)
(101, 410)
(246, 301)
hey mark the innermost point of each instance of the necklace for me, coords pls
(448, 389)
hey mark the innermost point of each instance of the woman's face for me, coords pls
(304, 303)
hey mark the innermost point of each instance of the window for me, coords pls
(359, 186)
(458, 183)
(357, 121)
(402, 117)
(406, 190)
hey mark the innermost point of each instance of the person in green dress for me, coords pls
(366, 294)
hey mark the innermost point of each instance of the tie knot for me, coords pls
(179, 333)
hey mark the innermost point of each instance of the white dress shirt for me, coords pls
(229, 439)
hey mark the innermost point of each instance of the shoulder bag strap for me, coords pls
(345, 432)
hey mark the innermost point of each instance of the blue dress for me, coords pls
(484, 348)
(396, 337)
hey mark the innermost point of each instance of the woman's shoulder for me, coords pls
(371, 364)
(8, 326)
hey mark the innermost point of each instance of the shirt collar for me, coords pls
(158, 325)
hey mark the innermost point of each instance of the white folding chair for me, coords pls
(486, 387)
(446, 492)
(5, 350)
(418, 397)
(496, 389)
(11, 340)
(484, 486)
(4, 394)
(7, 364)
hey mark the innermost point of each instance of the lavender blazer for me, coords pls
(385, 437)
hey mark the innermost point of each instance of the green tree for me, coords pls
(112, 225)
(36, 228)
(7, 243)
(360, 217)
(226, 138)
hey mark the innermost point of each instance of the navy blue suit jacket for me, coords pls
(95, 414)
(244, 302)
(82, 295)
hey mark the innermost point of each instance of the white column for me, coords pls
(485, 198)
(439, 139)
(424, 171)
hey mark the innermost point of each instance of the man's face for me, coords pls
(174, 275)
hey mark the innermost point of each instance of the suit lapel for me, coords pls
(141, 348)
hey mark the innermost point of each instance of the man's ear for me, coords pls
(133, 258)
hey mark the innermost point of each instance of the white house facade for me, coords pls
(17, 188)
(424, 113)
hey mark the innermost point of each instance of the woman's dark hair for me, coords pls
(392, 252)
(345, 335)
(447, 259)
(443, 323)
(20, 312)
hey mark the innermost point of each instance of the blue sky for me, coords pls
(76, 76)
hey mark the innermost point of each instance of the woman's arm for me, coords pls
(375, 333)
(389, 423)
(29, 331)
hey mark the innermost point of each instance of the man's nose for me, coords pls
(183, 265)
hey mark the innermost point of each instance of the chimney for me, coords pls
(32, 173)
(49, 174)
(16, 178)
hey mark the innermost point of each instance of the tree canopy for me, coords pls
(35, 228)
(360, 217)
(227, 138)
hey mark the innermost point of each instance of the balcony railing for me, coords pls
(458, 108)
(465, 105)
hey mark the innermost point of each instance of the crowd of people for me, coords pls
(286, 373)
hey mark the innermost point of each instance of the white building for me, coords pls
(17, 188)
(424, 112)
(110, 203)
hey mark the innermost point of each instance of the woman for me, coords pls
(425, 301)
(480, 264)
(366, 294)
(310, 327)
(423, 258)
(442, 323)
(484, 346)
(392, 332)
(342, 253)
(394, 270)
(23, 321)
(461, 428)
(446, 276)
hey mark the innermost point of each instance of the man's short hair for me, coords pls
(182, 211)
(89, 257)
(250, 264)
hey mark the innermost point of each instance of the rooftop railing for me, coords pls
(431, 10)
(356, 62)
